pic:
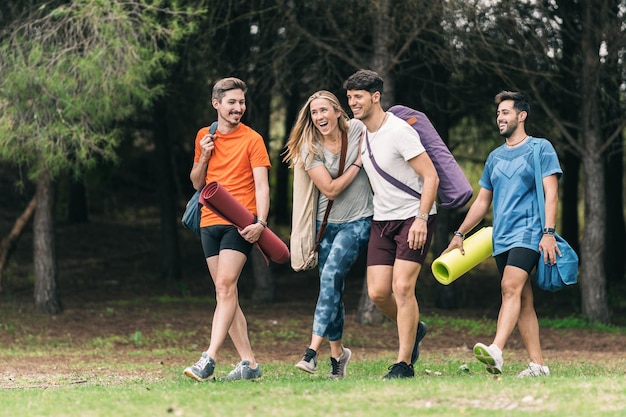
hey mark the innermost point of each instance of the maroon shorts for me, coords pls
(388, 242)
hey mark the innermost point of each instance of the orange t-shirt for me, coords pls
(231, 164)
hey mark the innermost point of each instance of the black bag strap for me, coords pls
(387, 176)
(342, 163)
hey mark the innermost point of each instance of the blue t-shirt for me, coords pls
(509, 174)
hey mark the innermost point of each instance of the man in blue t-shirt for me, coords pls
(519, 238)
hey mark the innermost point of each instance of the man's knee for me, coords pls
(404, 289)
(378, 295)
(510, 289)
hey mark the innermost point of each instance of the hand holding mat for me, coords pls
(222, 203)
(453, 264)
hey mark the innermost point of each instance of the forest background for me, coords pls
(100, 102)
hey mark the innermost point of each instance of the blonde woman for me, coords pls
(315, 144)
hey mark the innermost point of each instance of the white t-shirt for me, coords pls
(395, 143)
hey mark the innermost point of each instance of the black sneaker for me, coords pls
(421, 332)
(400, 370)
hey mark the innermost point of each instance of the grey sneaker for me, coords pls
(308, 362)
(534, 369)
(243, 371)
(338, 367)
(491, 356)
(201, 370)
(421, 332)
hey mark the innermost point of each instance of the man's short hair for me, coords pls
(226, 84)
(520, 102)
(367, 80)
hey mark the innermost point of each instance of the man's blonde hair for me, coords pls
(226, 84)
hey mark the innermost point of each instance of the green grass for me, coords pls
(440, 388)
(138, 372)
(468, 326)
(576, 322)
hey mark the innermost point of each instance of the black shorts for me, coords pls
(388, 242)
(218, 237)
(523, 258)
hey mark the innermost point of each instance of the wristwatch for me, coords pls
(422, 215)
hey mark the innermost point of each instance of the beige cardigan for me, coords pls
(302, 239)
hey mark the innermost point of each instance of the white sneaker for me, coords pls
(534, 369)
(490, 356)
(308, 362)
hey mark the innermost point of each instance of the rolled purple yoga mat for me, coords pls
(221, 202)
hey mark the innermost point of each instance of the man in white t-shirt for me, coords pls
(403, 225)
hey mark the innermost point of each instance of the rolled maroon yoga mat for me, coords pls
(221, 202)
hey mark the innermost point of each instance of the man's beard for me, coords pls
(506, 133)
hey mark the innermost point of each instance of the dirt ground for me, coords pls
(110, 295)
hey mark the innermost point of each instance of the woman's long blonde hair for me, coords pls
(304, 132)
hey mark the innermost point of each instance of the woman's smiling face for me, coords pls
(324, 116)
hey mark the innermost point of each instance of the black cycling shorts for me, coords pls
(222, 236)
(523, 258)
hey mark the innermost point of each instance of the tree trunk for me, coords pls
(166, 190)
(382, 56)
(592, 278)
(9, 243)
(44, 248)
(367, 313)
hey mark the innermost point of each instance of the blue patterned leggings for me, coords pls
(339, 249)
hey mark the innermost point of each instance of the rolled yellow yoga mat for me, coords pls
(453, 264)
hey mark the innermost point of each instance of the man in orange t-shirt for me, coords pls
(236, 157)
